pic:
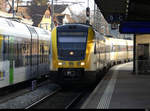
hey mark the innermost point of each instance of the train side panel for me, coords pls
(130, 50)
(19, 58)
(4, 66)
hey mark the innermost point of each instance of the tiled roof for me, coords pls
(23, 11)
(37, 12)
(59, 8)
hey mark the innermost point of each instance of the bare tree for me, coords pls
(79, 18)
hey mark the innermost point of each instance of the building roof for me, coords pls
(36, 13)
(23, 11)
(59, 8)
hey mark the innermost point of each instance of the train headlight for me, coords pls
(82, 63)
(60, 63)
(71, 53)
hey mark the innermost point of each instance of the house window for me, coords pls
(47, 16)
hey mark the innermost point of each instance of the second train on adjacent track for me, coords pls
(24, 52)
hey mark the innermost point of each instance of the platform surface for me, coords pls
(121, 89)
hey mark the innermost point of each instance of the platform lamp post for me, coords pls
(87, 13)
(13, 10)
(52, 14)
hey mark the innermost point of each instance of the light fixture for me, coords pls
(82, 63)
(60, 63)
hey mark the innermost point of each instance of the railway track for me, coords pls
(59, 99)
(74, 101)
(14, 91)
(43, 99)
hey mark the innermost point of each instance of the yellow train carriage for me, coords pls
(121, 50)
(73, 53)
(58, 63)
(130, 50)
(79, 53)
(113, 51)
(100, 53)
(118, 53)
(118, 50)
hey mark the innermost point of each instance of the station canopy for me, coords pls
(115, 11)
(132, 15)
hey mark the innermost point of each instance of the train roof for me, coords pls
(44, 34)
(73, 26)
(8, 27)
(13, 28)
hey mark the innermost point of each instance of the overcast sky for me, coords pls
(84, 3)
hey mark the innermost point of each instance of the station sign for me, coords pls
(115, 18)
(134, 27)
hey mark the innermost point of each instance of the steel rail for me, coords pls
(74, 101)
(39, 101)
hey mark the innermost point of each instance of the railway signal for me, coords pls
(87, 15)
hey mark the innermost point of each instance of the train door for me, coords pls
(4, 63)
(33, 53)
(38, 53)
(11, 59)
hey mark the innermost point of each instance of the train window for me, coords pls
(114, 48)
(72, 39)
(6, 48)
(130, 48)
(102, 49)
(72, 34)
(120, 48)
(111, 48)
(107, 48)
(28, 54)
(1, 48)
(41, 53)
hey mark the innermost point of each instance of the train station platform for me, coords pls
(121, 89)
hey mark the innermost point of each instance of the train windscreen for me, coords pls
(77, 37)
(71, 42)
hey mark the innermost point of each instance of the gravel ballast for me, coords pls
(23, 101)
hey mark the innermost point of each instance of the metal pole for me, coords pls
(88, 13)
(13, 11)
(52, 15)
(134, 54)
(94, 15)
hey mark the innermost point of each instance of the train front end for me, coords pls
(72, 47)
